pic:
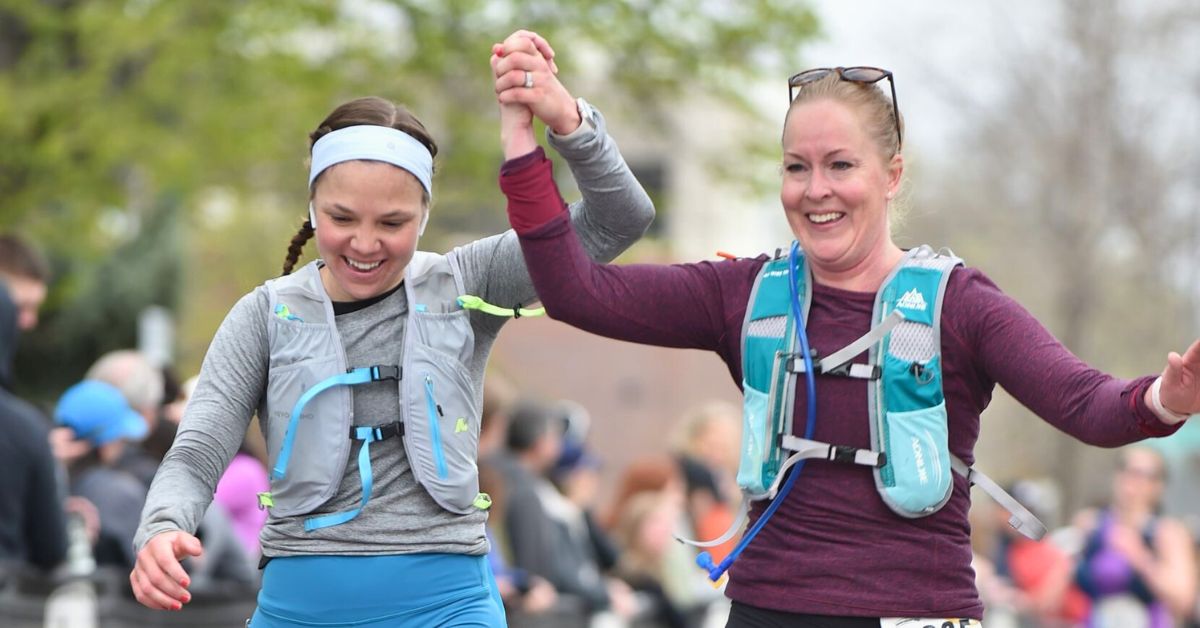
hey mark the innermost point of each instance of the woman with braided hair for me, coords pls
(366, 368)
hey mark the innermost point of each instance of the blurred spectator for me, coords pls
(32, 526)
(576, 475)
(1181, 453)
(651, 474)
(25, 272)
(139, 380)
(498, 399)
(173, 410)
(658, 563)
(143, 386)
(1138, 567)
(707, 443)
(644, 530)
(1030, 582)
(519, 590)
(98, 415)
(547, 533)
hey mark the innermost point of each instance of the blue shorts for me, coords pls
(401, 590)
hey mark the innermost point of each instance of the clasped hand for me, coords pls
(527, 86)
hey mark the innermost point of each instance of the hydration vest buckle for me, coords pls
(376, 432)
(795, 362)
(387, 371)
(842, 453)
(855, 370)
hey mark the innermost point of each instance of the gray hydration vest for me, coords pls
(308, 407)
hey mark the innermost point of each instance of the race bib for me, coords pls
(927, 622)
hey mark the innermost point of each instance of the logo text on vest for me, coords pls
(919, 459)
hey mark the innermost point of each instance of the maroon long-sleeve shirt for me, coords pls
(833, 547)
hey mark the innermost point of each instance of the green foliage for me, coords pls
(119, 116)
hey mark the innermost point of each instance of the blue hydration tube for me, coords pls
(704, 559)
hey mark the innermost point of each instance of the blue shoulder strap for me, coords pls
(352, 377)
(367, 435)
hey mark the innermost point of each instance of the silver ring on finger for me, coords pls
(528, 79)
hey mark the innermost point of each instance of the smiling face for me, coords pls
(835, 193)
(368, 218)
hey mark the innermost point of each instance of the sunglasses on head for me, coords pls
(864, 75)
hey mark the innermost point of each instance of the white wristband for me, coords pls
(1167, 415)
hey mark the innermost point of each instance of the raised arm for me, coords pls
(697, 306)
(614, 211)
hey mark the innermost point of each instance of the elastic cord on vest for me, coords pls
(704, 559)
(472, 302)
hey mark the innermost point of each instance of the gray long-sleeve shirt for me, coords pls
(400, 517)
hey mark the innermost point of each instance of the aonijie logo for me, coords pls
(919, 460)
(912, 300)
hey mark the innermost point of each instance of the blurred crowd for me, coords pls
(1123, 563)
(556, 548)
(79, 470)
(77, 474)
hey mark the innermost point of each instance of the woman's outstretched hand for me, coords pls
(158, 578)
(1179, 387)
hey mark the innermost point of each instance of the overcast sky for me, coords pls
(933, 47)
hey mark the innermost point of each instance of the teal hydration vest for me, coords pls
(909, 455)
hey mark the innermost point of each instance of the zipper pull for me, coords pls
(429, 390)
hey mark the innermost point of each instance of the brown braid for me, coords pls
(297, 244)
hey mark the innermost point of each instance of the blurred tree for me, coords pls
(1082, 176)
(156, 148)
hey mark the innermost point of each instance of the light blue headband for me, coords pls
(376, 143)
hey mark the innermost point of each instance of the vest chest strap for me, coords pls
(352, 377)
(795, 364)
(806, 448)
(382, 372)
(838, 362)
(809, 449)
(375, 433)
